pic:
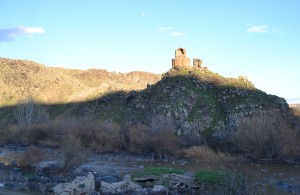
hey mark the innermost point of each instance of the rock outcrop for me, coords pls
(81, 185)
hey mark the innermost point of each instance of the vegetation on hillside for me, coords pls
(189, 112)
(20, 79)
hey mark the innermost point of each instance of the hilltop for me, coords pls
(193, 101)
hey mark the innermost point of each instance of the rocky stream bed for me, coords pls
(112, 174)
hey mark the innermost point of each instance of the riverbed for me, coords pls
(274, 178)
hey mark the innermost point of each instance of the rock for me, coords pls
(50, 166)
(119, 187)
(82, 185)
(107, 179)
(169, 114)
(63, 189)
(176, 114)
(159, 190)
(145, 179)
(185, 112)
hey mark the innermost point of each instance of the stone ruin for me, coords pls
(182, 61)
(197, 62)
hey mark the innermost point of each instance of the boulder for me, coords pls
(48, 167)
(107, 179)
(145, 179)
(159, 190)
(119, 187)
(82, 185)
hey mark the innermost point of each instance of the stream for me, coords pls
(276, 178)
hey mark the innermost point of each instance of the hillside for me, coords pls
(139, 111)
(193, 100)
(196, 102)
(20, 79)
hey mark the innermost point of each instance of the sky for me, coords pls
(259, 39)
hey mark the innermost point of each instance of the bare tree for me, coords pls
(28, 112)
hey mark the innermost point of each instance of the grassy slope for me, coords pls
(20, 79)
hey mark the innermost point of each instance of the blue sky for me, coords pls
(259, 39)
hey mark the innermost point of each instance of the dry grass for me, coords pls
(266, 135)
(22, 78)
(143, 140)
(74, 153)
(296, 111)
(205, 153)
(159, 137)
(29, 158)
(107, 138)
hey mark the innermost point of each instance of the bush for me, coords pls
(107, 138)
(221, 182)
(205, 153)
(74, 153)
(30, 157)
(28, 112)
(159, 137)
(266, 135)
(144, 140)
(210, 176)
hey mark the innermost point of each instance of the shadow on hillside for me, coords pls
(203, 111)
(121, 105)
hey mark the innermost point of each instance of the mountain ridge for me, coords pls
(23, 78)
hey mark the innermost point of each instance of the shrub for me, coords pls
(221, 182)
(144, 140)
(191, 139)
(159, 137)
(27, 112)
(11, 134)
(107, 138)
(266, 135)
(30, 157)
(210, 176)
(33, 134)
(205, 153)
(74, 153)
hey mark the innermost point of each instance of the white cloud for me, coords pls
(164, 28)
(258, 29)
(143, 13)
(177, 34)
(31, 30)
(10, 34)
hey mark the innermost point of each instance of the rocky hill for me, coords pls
(192, 102)
(20, 79)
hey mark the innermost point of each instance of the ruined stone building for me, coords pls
(182, 61)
